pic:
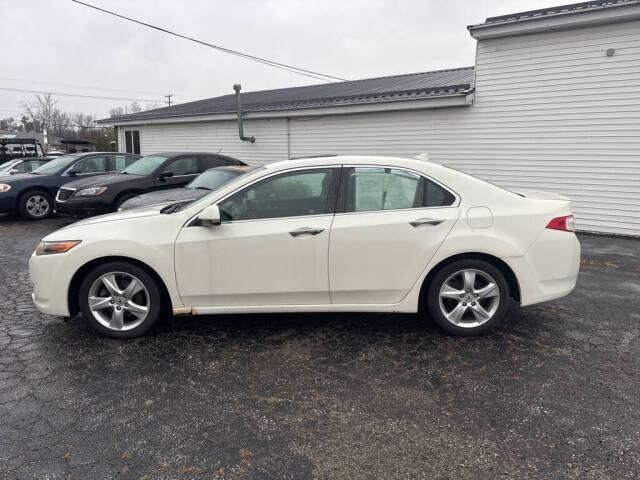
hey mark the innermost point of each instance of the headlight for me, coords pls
(48, 248)
(90, 192)
(4, 187)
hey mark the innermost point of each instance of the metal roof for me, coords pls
(410, 86)
(562, 9)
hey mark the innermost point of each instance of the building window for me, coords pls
(132, 141)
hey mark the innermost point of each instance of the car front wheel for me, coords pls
(35, 205)
(120, 300)
(468, 297)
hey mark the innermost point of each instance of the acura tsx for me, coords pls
(341, 233)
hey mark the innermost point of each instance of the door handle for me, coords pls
(306, 231)
(425, 221)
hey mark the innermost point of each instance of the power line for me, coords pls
(78, 95)
(73, 85)
(282, 66)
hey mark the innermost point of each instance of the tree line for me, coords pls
(43, 113)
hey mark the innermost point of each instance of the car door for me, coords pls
(181, 171)
(85, 167)
(271, 247)
(388, 225)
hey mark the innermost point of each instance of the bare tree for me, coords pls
(40, 111)
(82, 120)
(133, 107)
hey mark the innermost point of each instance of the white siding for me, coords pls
(551, 112)
(219, 137)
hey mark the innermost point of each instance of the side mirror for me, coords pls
(73, 173)
(164, 175)
(13, 171)
(210, 216)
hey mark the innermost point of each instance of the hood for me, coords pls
(118, 216)
(102, 180)
(163, 196)
(538, 195)
(9, 179)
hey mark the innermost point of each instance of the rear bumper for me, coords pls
(549, 269)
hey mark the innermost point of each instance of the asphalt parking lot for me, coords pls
(554, 393)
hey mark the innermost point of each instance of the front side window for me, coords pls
(380, 188)
(292, 194)
(182, 166)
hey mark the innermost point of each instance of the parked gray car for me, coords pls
(200, 186)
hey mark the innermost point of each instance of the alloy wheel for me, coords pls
(37, 206)
(469, 298)
(119, 301)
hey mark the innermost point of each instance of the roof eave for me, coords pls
(458, 99)
(614, 13)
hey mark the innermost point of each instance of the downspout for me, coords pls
(251, 139)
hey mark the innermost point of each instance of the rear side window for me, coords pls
(26, 167)
(214, 161)
(379, 188)
(120, 162)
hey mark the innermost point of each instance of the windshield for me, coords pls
(53, 166)
(213, 179)
(176, 207)
(145, 165)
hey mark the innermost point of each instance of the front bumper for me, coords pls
(50, 283)
(7, 202)
(84, 206)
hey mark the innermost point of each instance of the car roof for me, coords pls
(175, 154)
(236, 168)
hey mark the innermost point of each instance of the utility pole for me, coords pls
(168, 97)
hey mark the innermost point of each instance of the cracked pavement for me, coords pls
(553, 393)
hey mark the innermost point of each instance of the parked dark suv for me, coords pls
(160, 171)
(31, 194)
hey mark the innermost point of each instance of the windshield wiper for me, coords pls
(174, 207)
(202, 188)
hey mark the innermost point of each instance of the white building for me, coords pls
(553, 103)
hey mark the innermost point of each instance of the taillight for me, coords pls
(566, 224)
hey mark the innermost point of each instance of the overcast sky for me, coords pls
(61, 46)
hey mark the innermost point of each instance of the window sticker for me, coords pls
(369, 191)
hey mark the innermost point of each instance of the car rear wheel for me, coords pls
(468, 297)
(35, 205)
(120, 300)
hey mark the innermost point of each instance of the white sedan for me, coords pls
(331, 234)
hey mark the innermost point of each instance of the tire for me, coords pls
(481, 306)
(104, 318)
(123, 198)
(35, 205)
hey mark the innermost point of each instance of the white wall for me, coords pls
(552, 112)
